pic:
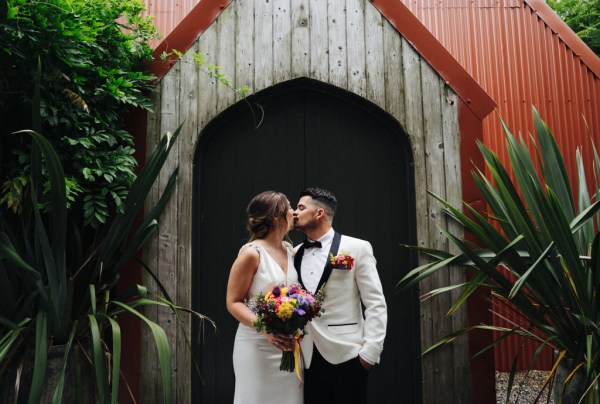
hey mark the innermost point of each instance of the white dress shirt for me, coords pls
(314, 260)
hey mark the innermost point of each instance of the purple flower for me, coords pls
(299, 311)
(276, 291)
(303, 301)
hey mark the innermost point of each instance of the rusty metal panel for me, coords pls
(522, 57)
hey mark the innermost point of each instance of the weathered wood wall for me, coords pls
(346, 43)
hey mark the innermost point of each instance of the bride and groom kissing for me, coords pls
(340, 345)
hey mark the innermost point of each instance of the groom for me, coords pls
(342, 344)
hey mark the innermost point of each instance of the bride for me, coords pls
(264, 261)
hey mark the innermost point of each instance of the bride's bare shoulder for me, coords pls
(249, 251)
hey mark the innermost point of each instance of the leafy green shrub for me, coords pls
(92, 54)
(583, 16)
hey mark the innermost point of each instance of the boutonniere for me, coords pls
(342, 261)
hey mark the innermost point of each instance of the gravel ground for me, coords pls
(526, 387)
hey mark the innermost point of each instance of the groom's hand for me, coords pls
(364, 363)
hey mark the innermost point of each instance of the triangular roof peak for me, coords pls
(403, 20)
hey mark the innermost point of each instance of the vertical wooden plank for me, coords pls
(300, 37)
(244, 44)
(282, 41)
(166, 262)
(210, 92)
(434, 161)
(393, 71)
(263, 44)
(213, 97)
(375, 54)
(188, 112)
(319, 43)
(413, 103)
(226, 54)
(355, 39)
(452, 158)
(149, 359)
(167, 234)
(338, 57)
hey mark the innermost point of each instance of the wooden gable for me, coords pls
(377, 51)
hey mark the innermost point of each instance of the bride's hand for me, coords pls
(280, 341)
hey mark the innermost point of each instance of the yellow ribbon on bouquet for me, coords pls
(297, 355)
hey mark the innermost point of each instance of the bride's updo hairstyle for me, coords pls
(262, 210)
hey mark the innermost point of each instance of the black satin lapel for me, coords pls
(298, 264)
(335, 245)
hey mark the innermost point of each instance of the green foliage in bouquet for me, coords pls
(537, 252)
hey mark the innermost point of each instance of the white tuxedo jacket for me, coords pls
(343, 332)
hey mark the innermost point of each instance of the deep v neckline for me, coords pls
(287, 259)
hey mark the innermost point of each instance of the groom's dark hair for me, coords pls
(323, 198)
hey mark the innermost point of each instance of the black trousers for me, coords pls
(345, 383)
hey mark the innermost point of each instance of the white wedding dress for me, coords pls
(258, 379)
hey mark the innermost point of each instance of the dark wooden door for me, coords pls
(311, 135)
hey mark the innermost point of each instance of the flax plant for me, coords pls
(536, 251)
(56, 291)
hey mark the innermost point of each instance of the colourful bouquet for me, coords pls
(286, 310)
(341, 261)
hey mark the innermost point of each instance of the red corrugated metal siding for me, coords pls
(521, 61)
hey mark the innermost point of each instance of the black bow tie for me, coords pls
(311, 244)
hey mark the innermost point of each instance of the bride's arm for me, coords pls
(240, 278)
